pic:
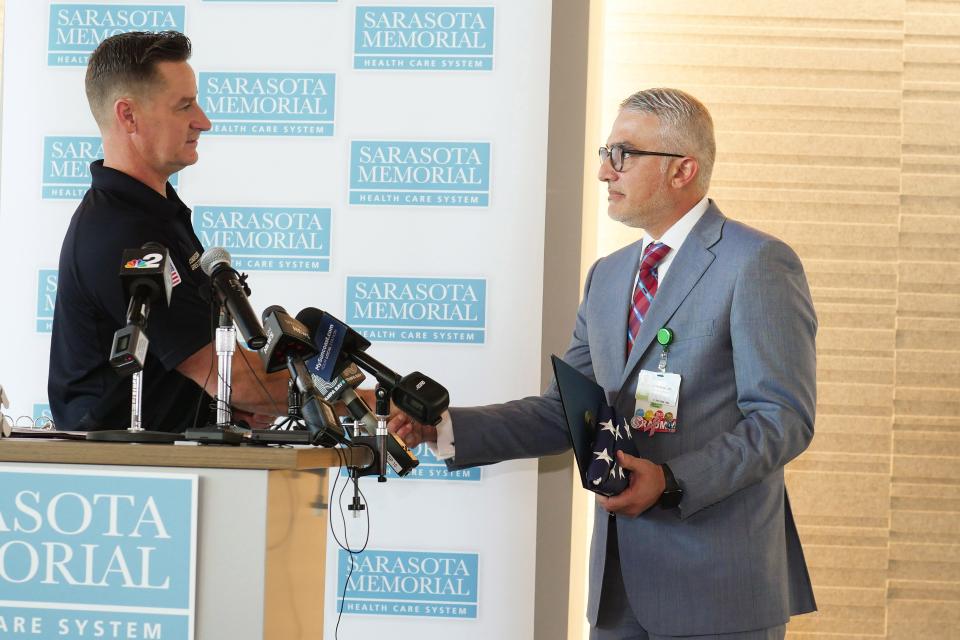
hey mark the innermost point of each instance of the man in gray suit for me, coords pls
(719, 557)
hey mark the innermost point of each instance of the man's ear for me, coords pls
(685, 171)
(124, 114)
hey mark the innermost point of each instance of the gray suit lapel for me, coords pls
(686, 270)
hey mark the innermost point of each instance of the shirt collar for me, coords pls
(135, 192)
(675, 236)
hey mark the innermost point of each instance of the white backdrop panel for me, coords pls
(467, 541)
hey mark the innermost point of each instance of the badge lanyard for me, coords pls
(658, 393)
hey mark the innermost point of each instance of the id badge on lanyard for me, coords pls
(658, 394)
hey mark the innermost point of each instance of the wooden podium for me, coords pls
(262, 525)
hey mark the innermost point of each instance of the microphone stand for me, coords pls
(294, 419)
(135, 401)
(226, 345)
(135, 432)
(224, 431)
(378, 441)
(356, 505)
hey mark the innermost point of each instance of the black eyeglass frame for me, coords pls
(616, 153)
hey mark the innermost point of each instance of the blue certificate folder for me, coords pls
(582, 400)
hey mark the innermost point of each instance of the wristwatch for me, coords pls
(672, 493)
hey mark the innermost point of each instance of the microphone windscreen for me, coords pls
(212, 257)
(274, 308)
(310, 317)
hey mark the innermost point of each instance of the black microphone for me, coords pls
(415, 394)
(146, 278)
(401, 459)
(341, 389)
(232, 292)
(333, 339)
(317, 413)
(285, 336)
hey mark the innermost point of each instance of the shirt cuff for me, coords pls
(443, 448)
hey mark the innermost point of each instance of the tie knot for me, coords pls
(653, 255)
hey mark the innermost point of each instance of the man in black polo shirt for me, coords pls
(143, 95)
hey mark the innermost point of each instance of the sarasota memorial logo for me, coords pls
(66, 166)
(431, 584)
(75, 30)
(400, 309)
(424, 38)
(432, 468)
(46, 299)
(444, 174)
(267, 238)
(97, 554)
(269, 104)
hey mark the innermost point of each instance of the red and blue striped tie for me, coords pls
(645, 290)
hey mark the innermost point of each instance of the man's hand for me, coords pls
(646, 486)
(409, 430)
(406, 428)
(253, 420)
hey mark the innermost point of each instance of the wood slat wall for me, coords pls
(838, 130)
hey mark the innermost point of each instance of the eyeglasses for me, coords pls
(618, 152)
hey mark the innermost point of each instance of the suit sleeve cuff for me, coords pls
(444, 448)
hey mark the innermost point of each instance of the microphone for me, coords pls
(415, 394)
(285, 336)
(333, 339)
(146, 278)
(317, 413)
(146, 275)
(401, 459)
(128, 352)
(232, 292)
(342, 388)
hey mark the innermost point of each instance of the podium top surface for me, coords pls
(177, 455)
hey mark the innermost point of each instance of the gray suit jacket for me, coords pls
(729, 559)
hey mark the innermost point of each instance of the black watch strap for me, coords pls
(672, 493)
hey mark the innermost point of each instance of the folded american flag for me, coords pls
(605, 475)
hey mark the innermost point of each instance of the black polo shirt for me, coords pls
(117, 213)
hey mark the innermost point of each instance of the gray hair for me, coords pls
(685, 125)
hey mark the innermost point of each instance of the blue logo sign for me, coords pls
(269, 104)
(400, 309)
(97, 554)
(444, 174)
(428, 584)
(66, 166)
(46, 299)
(431, 468)
(77, 29)
(267, 238)
(424, 38)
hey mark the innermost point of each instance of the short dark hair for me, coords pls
(127, 62)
